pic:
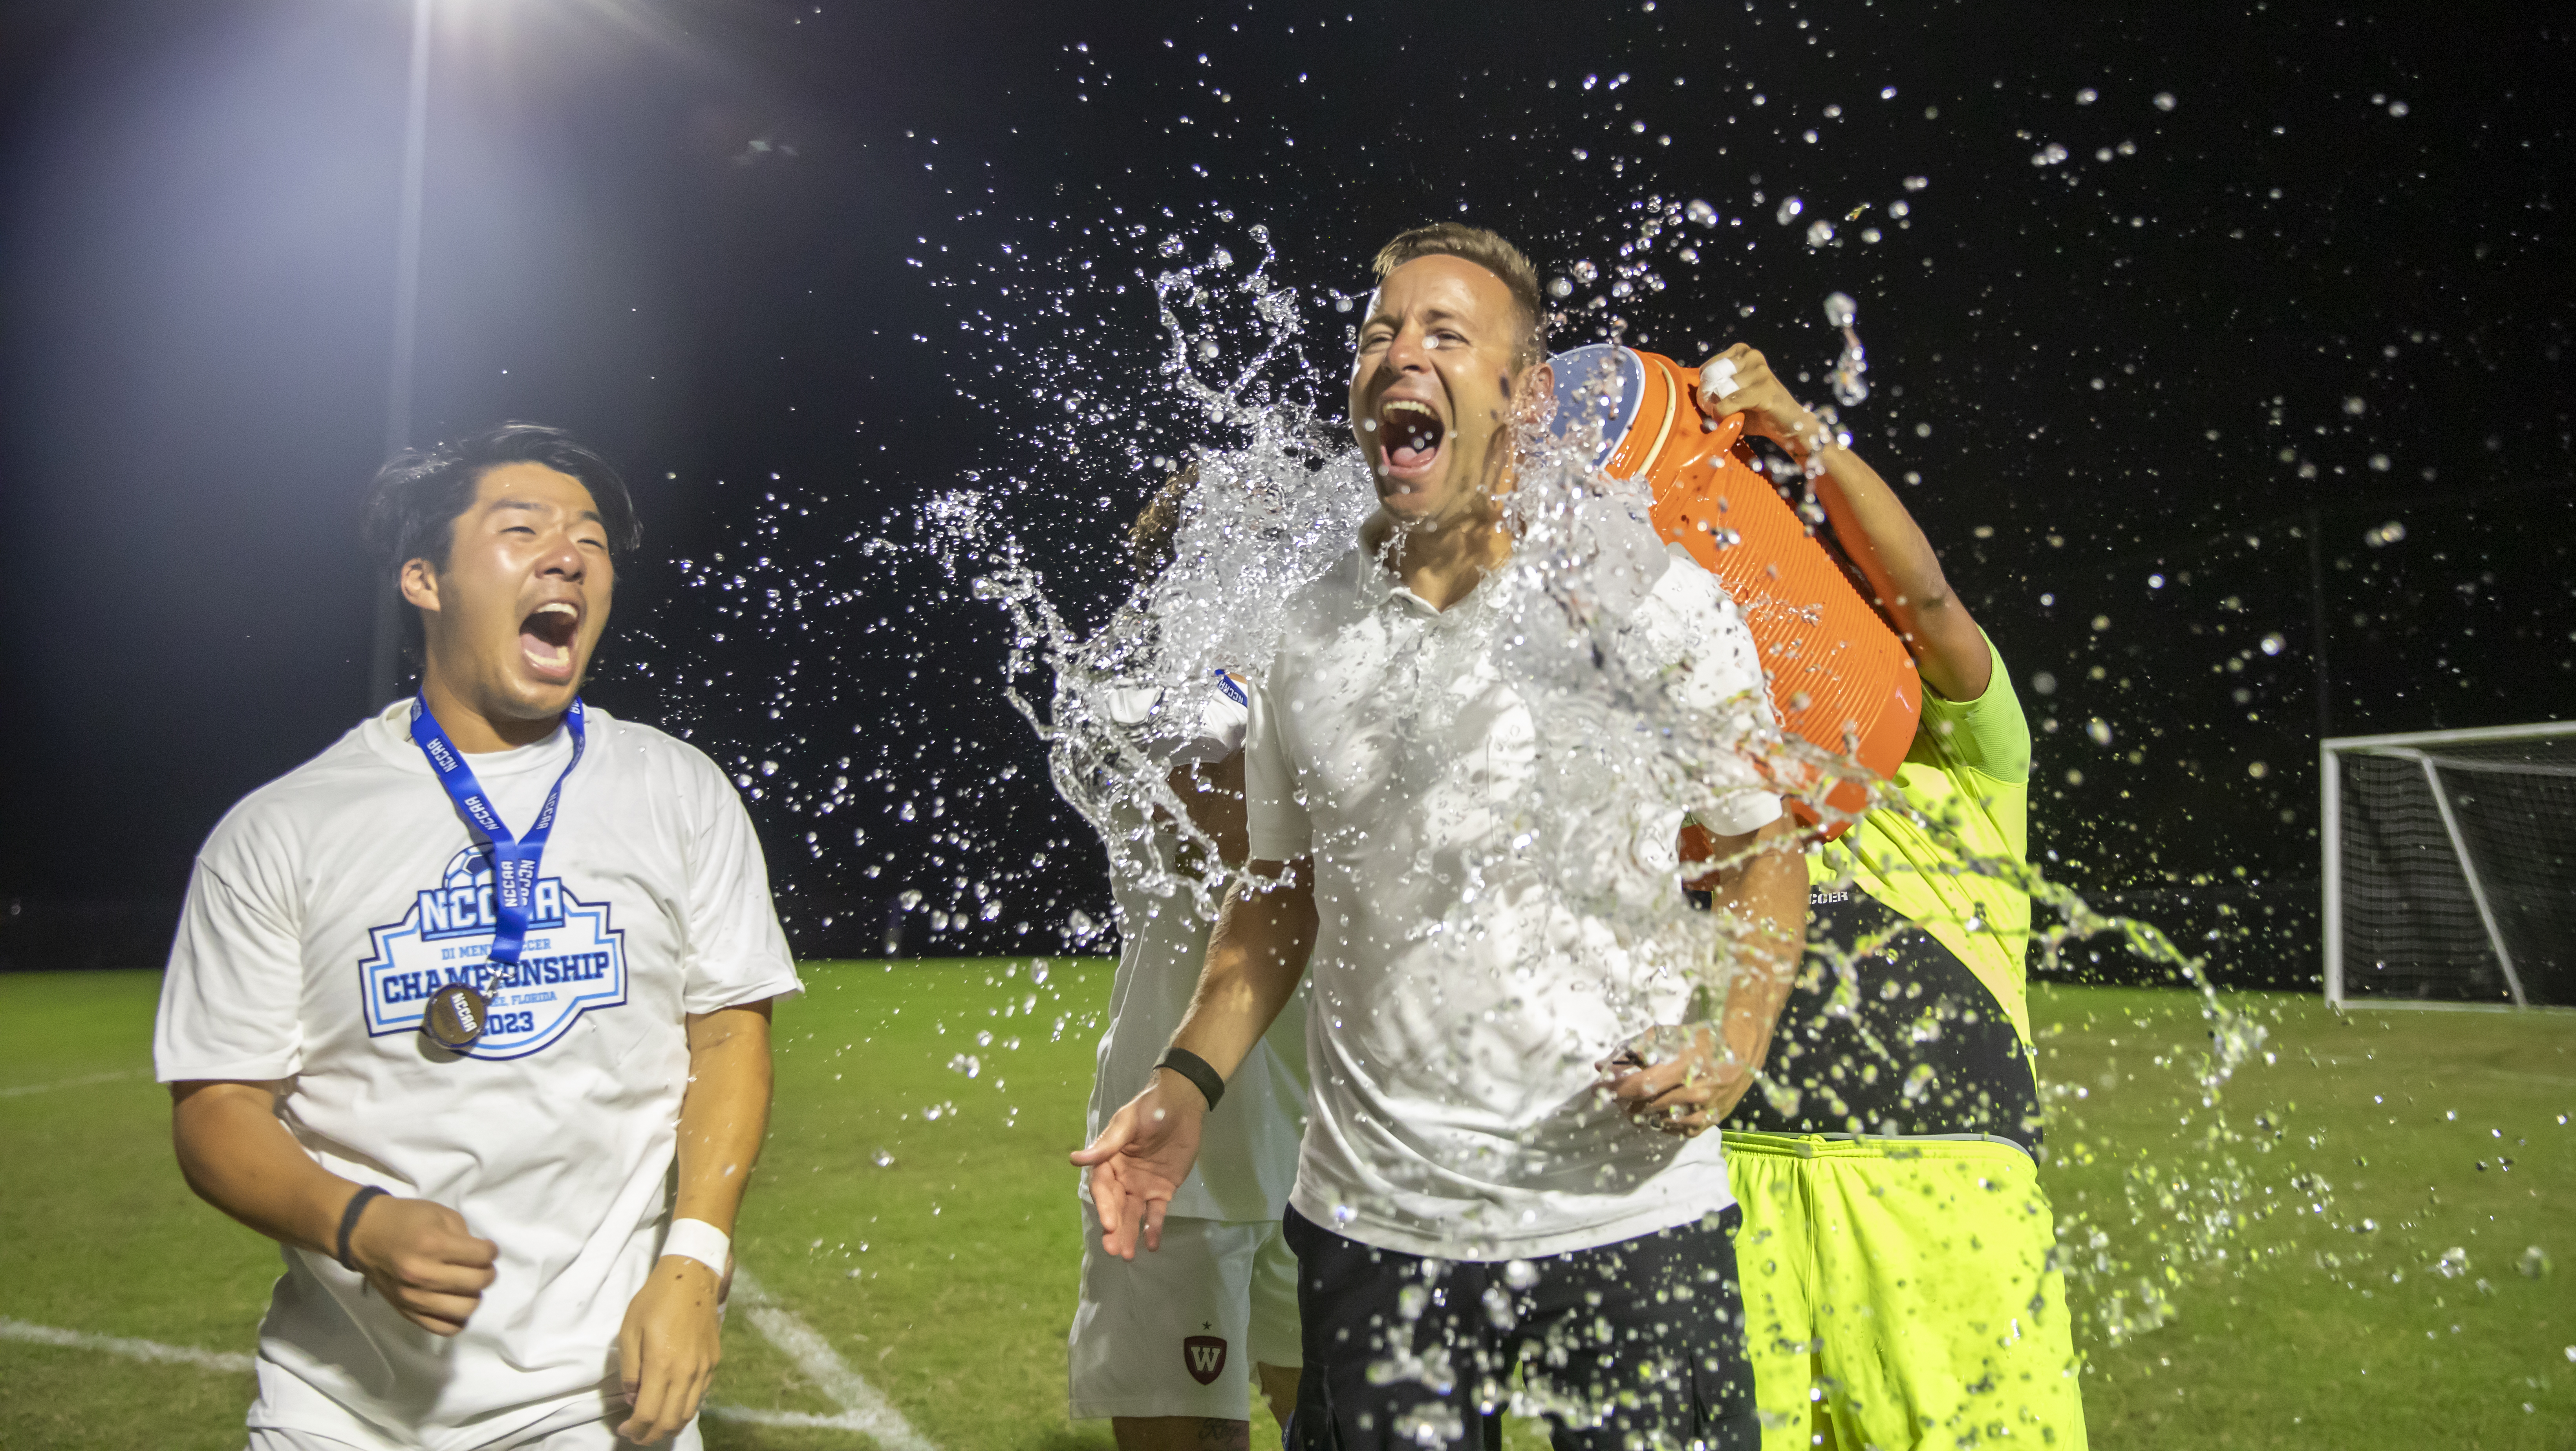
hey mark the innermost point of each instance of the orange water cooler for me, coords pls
(1840, 679)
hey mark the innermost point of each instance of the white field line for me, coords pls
(153, 1350)
(863, 1407)
(23, 1089)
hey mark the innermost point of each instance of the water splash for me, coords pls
(1278, 503)
(1850, 387)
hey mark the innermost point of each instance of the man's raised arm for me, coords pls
(1872, 524)
(1255, 957)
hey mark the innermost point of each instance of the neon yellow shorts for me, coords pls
(1904, 1292)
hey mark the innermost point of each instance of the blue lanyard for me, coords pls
(514, 859)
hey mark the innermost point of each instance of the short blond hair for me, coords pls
(1488, 250)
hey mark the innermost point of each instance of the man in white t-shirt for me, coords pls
(1167, 1346)
(1470, 1200)
(470, 1013)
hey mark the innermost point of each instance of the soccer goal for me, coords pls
(2450, 866)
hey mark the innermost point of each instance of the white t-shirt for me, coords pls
(1248, 1148)
(1460, 997)
(322, 912)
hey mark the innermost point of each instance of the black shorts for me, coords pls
(1638, 1343)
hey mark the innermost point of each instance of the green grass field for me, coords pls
(945, 1277)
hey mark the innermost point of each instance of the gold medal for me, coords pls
(456, 1017)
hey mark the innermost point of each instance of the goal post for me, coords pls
(2449, 868)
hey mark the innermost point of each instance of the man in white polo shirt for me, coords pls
(470, 1013)
(1471, 1199)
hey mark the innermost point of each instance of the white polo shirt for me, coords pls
(1473, 884)
(1248, 1146)
(325, 909)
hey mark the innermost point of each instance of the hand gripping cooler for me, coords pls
(1840, 679)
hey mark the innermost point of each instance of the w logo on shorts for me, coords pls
(1204, 1357)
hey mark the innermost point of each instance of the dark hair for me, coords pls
(413, 503)
(1487, 250)
(1149, 539)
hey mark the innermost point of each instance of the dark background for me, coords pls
(800, 268)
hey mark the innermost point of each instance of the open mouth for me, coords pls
(1411, 436)
(545, 637)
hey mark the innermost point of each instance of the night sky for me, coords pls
(2181, 315)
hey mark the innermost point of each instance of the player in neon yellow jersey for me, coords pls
(1898, 1253)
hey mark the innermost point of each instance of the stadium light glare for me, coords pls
(385, 659)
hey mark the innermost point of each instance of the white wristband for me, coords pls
(698, 1240)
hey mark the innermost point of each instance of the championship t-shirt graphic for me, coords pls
(574, 960)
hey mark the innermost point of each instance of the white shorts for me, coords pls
(588, 1436)
(1177, 1331)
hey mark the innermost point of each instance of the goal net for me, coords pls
(2450, 866)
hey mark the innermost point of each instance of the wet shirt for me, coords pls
(1926, 1031)
(323, 912)
(1248, 1144)
(1901, 1039)
(1459, 1000)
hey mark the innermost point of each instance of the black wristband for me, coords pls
(1197, 1070)
(349, 1221)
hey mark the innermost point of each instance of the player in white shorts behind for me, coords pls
(451, 1003)
(1166, 1345)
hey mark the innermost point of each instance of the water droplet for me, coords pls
(2043, 683)
(882, 1159)
(2257, 770)
(2164, 100)
(2099, 730)
(1702, 213)
(2087, 96)
(1560, 288)
(1790, 207)
(2274, 644)
(2534, 1263)
(1819, 232)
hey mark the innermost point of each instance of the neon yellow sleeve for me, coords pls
(1988, 735)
